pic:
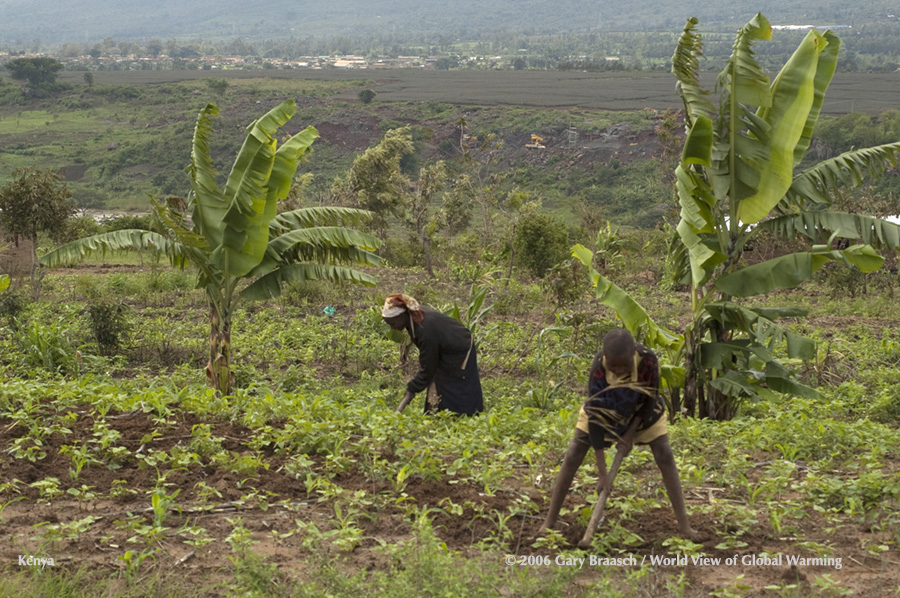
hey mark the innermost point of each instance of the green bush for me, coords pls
(402, 253)
(126, 222)
(81, 227)
(11, 306)
(516, 298)
(108, 325)
(886, 408)
(564, 282)
(366, 96)
(540, 243)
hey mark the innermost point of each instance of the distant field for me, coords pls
(849, 92)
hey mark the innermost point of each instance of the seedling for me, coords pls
(134, 561)
(161, 504)
(683, 546)
(3, 505)
(119, 490)
(48, 487)
(239, 538)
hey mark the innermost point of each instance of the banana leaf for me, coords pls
(251, 206)
(319, 216)
(788, 271)
(793, 94)
(269, 286)
(633, 316)
(820, 225)
(850, 169)
(120, 240)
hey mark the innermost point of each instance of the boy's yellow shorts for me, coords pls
(643, 436)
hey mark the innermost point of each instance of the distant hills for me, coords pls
(57, 21)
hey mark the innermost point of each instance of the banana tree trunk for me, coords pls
(718, 405)
(218, 370)
(691, 373)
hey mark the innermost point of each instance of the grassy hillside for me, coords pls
(118, 144)
(127, 136)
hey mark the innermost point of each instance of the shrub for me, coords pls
(541, 242)
(126, 222)
(11, 307)
(108, 325)
(366, 96)
(886, 406)
(564, 282)
(79, 228)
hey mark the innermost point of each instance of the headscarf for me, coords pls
(398, 304)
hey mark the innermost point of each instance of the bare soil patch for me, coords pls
(288, 504)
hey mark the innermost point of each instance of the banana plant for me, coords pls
(737, 177)
(234, 237)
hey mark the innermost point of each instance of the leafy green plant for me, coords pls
(11, 304)
(67, 531)
(81, 457)
(608, 247)
(161, 503)
(542, 396)
(682, 546)
(120, 490)
(48, 488)
(48, 346)
(475, 314)
(735, 179)
(540, 242)
(239, 537)
(564, 283)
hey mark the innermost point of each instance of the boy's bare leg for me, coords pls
(665, 460)
(571, 462)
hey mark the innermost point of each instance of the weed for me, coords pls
(48, 346)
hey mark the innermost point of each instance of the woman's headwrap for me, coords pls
(398, 304)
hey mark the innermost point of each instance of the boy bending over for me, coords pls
(623, 386)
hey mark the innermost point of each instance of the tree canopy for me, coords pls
(38, 72)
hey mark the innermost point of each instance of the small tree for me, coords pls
(375, 181)
(482, 181)
(38, 72)
(35, 201)
(420, 218)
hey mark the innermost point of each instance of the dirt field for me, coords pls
(849, 92)
(106, 539)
